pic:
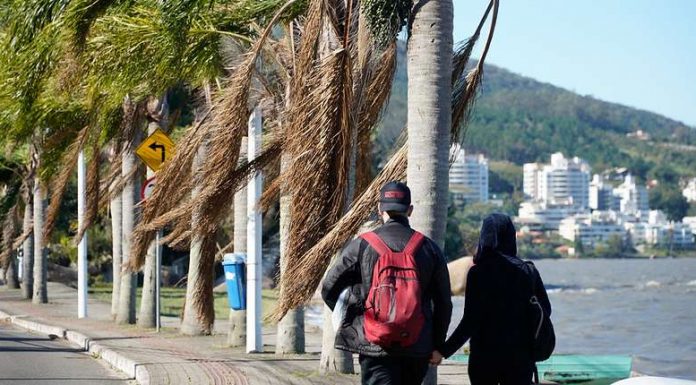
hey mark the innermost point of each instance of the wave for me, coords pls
(556, 289)
(691, 283)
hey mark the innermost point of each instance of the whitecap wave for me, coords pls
(691, 283)
(653, 284)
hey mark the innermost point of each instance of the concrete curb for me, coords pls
(38, 327)
(132, 369)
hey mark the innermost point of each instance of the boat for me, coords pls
(581, 369)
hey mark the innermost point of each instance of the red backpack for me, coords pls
(393, 313)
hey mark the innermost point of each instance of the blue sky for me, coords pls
(641, 53)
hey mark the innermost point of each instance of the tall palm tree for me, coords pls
(430, 46)
(28, 245)
(129, 197)
(40, 251)
(290, 335)
(236, 335)
(157, 115)
(116, 234)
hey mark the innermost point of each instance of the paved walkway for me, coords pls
(170, 358)
(27, 358)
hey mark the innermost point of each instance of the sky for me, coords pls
(640, 53)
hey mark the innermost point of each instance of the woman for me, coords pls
(496, 310)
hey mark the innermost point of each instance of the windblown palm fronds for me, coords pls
(465, 90)
(222, 130)
(373, 102)
(60, 183)
(307, 270)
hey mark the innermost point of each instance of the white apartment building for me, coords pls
(633, 196)
(690, 191)
(691, 222)
(591, 229)
(563, 181)
(658, 231)
(530, 180)
(546, 216)
(468, 176)
(602, 195)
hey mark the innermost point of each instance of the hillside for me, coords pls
(518, 119)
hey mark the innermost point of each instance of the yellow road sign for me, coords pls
(156, 149)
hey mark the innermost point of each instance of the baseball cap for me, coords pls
(394, 196)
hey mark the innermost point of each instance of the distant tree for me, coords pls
(670, 200)
(692, 210)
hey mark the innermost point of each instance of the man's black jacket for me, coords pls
(354, 270)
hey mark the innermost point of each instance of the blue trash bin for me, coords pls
(235, 276)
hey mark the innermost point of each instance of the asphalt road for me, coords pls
(27, 358)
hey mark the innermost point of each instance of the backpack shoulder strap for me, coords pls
(413, 243)
(376, 242)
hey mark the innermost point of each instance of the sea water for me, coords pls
(642, 308)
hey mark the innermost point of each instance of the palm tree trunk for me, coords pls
(11, 277)
(28, 251)
(291, 329)
(236, 335)
(429, 119)
(129, 281)
(157, 112)
(40, 257)
(198, 308)
(116, 222)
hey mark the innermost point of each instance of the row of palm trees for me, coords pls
(91, 75)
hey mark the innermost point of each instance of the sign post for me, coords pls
(82, 276)
(254, 342)
(154, 151)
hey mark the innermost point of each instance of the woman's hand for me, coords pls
(435, 358)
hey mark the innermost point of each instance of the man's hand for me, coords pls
(435, 358)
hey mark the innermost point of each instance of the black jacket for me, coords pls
(496, 311)
(354, 270)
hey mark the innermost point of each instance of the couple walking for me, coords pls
(394, 290)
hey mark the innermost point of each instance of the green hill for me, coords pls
(518, 119)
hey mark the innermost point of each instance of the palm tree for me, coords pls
(290, 335)
(157, 115)
(116, 210)
(430, 46)
(40, 251)
(28, 244)
(129, 197)
(236, 335)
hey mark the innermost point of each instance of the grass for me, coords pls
(172, 300)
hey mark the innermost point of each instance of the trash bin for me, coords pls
(235, 276)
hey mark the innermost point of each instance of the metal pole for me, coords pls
(82, 246)
(254, 232)
(158, 280)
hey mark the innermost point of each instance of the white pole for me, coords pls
(158, 280)
(82, 246)
(254, 232)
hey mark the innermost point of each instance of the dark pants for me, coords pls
(484, 375)
(393, 370)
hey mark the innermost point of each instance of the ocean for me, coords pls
(642, 308)
(638, 307)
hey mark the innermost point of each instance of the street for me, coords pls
(27, 358)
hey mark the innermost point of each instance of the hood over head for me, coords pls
(497, 237)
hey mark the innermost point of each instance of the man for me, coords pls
(388, 357)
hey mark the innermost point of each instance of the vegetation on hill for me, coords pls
(518, 120)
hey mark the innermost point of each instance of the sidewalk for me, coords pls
(170, 358)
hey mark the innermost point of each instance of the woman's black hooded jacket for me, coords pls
(496, 312)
